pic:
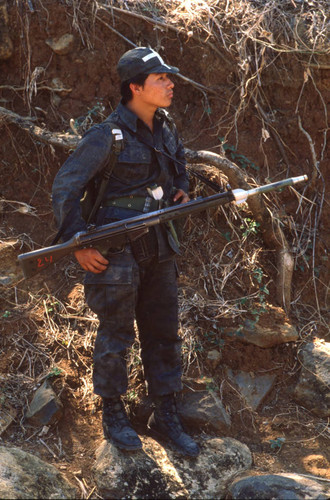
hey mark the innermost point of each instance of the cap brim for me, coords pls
(163, 68)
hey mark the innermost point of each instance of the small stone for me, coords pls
(61, 45)
(45, 407)
(253, 388)
(214, 358)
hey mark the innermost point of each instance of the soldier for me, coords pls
(138, 280)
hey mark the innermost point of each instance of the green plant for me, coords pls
(242, 160)
(277, 443)
(55, 372)
(250, 226)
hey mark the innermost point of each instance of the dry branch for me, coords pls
(269, 226)
(65, 140)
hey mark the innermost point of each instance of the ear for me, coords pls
(135, 88)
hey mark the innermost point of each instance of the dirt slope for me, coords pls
(267, 107)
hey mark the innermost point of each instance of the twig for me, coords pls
(47, 447)
(192, 82)
(167, 26)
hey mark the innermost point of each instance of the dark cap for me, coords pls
(142, 60)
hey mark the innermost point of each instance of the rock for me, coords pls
(197, 409)
(59, 87)
(213, 357)
(45, 407)
(278, 486)
(264, 336)
(253, 388)
(7, 416)
(313, 386)
(6, 45)
(61, 45)
(272, 328)
(203, 409)
(23, 475)
(156, 472)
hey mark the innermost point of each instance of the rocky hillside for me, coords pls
(251, 104)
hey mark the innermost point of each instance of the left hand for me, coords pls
(181, 195)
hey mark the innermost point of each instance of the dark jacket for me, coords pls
(138, 167)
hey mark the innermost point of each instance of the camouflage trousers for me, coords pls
(145, 293)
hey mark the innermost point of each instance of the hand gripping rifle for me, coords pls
(117, 233)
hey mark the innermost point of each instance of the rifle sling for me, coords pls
(199, 176)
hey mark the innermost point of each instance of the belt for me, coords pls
(138, 203)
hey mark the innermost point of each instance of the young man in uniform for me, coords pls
(136, 281)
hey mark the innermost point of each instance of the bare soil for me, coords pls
(45, 323)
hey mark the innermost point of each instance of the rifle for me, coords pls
(119, 232)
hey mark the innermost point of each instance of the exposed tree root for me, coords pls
(272, 234)
(54, 138)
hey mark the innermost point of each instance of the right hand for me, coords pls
(91, 260)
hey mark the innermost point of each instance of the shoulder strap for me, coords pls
(117, 146)
(199, 176)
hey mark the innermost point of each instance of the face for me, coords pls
(157, 91)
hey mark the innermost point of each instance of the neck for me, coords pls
(144, 112)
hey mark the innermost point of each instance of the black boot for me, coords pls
(165, 422)
(117, 427)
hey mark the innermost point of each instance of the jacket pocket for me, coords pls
(133, 163)
(118, 272)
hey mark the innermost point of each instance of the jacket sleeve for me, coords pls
(69, 184)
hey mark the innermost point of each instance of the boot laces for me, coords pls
(167, 410)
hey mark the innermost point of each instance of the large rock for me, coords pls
(313, 388)
(253, 388)
(272, 328)
(278, 486)
(156, 472)
(23, 475)
(203, 409)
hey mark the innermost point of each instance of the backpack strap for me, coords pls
(116, 148)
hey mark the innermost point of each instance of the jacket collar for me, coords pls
(130, 119)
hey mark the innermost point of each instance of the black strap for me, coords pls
(115, 151)
(199, 176)
(116, 147)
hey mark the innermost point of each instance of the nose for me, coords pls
(170, 84)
